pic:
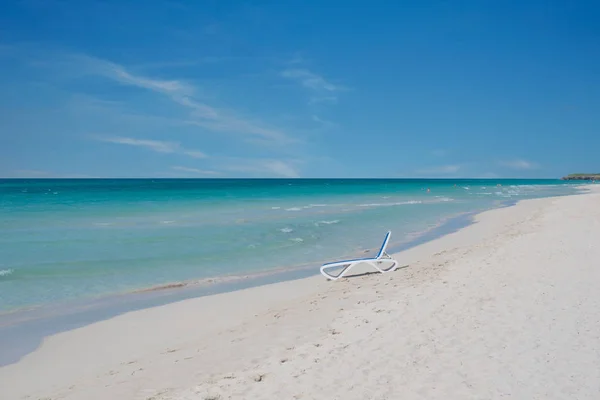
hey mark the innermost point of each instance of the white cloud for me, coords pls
(439, 152)
(120, 74)
(281, 168)
(39, 174)
(194, 153)
(181, 93)
(487, 175)
(442, 170)
(209, 118)
(311, 80)
(323, 99)
(519, 164)
(297, 58)
(323, 90)
(324, 122)
(152, 84)
(32, 173)
(194, 170)
(212, 29)
(162, 65)
(263, 167)
(199, 109)
(154, 145)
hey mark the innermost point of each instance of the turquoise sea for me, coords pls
(64, 240)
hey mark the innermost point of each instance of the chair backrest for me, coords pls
(384, 245)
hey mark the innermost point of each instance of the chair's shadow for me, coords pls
(367, 273)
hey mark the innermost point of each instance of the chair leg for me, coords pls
(338, 276)
(348, 266)
(391, 268)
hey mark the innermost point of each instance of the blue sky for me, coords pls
(299, 88)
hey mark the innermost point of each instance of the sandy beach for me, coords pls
(508, 307)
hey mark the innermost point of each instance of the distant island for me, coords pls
(581, 177)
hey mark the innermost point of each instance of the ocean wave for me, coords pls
(314, 205)
(335, 221)
(400, 203)
(297, 240)
(293, 209)
(166, 222)
(275, 208)
(443, 198)
(103, 223)
(286, 230)
(6, 272)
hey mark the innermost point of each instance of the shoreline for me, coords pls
(23, 331)
(283, 228)
(153, 351)
(410, 240)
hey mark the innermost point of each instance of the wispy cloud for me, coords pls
(262, 167)
(120, 74)
(217, 120)
(182, 93)
(212, 29)
(135, 101)
(325, 123)
(323, 90)
(439, 152)
(154, 145)
(31, 173)
(296, 59)
(166, 86)
(41, 174)
(487, 175)
(194, 170)
(441, 170)
(163, 65)
(519, 164)
(281, 168)
(310, 80)
(323, 100)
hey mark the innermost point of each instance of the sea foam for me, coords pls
(400, 203)
(6, 272)
(335, 221)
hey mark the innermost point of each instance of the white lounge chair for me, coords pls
(382, 257)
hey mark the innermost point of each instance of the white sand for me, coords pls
(506, 308)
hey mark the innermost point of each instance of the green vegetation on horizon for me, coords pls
(582, 176)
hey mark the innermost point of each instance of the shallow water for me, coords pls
(63, 240)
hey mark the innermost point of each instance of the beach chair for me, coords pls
(382, 257)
